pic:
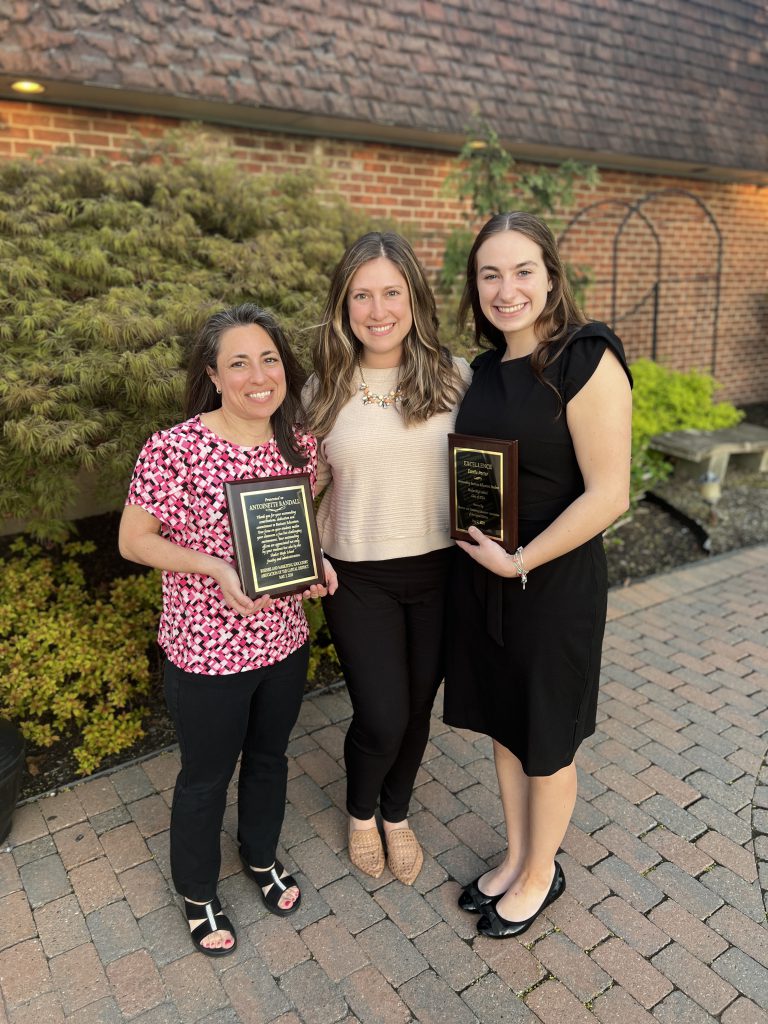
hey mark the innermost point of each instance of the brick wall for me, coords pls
(668, 259)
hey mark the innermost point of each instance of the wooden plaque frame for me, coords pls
(274, 534)
(485, 470)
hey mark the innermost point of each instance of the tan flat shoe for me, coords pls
(404, 855)
(366, 851)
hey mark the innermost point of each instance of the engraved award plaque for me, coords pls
(274, 534)
(483, 488)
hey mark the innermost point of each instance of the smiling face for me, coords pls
(512, 286)
(249, 372)
(379, 310)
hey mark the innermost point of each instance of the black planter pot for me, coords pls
(12, 748)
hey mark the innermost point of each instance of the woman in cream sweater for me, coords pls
(382, 400)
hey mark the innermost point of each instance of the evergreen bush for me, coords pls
(106, 272)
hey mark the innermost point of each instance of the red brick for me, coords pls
(679, 792)
(27, 825)
(688, 931)
(578, 924)
(372, 998)
(162, 770)
(633, 972)
(635, 928)
(24, 973)
(45, 1009)
(125, 847)
(616, 1006)
(145, 888)
(582, 847)
(18, 923)
(62, 810)
(10, 880)
(95, 885)
(629, 786)
(61, 925)
(97, 795)
(690, 975)
(553, 1004)
(743, 1011)
(742, 932)
(280, 947)
(686, 855)
(77, 845)
(580, 974)
(79, 977)
(135, 982)
(739, 859)
(411, 172)
(151, 815)
(334, 948)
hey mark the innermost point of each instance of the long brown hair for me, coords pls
(201, 395)
(429, 382)
(560, 316)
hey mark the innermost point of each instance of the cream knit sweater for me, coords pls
(388, 490)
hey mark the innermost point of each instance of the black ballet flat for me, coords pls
(495, 926)
(474, 900)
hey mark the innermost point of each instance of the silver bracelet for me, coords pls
(517, 561)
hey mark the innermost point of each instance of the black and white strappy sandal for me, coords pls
(212, 919)
(272, 883)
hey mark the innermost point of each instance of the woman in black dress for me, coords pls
(526, 629)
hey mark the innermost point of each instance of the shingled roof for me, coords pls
(679, 82)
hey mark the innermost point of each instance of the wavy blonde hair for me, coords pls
(429, 381)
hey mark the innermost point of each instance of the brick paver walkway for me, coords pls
(663, 919)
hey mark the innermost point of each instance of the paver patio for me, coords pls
(666, 862)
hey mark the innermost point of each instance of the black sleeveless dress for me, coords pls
(524, 666)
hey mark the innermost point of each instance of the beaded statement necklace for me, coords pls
(371, 398)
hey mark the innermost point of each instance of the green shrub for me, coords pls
(79, 665)
(106, 272)
(72, 662)
(665, 400)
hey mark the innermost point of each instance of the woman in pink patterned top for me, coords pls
(235, 668)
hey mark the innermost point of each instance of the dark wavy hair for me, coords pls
(560, 316)
(201, 395)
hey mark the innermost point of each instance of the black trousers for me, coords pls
(386, 621)
(217, 718)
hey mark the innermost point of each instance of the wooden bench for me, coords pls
(696, 452)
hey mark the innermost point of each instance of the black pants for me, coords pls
(217, 718)
(386, 621)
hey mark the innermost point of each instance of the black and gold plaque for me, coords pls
(483, 488)
(274, 534)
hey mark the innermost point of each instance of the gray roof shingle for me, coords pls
(680, 80)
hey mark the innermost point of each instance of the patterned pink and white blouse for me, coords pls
(179, 479)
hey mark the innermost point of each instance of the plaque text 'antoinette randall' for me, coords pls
(275, 535)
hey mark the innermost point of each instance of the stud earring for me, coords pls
(218, 391)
